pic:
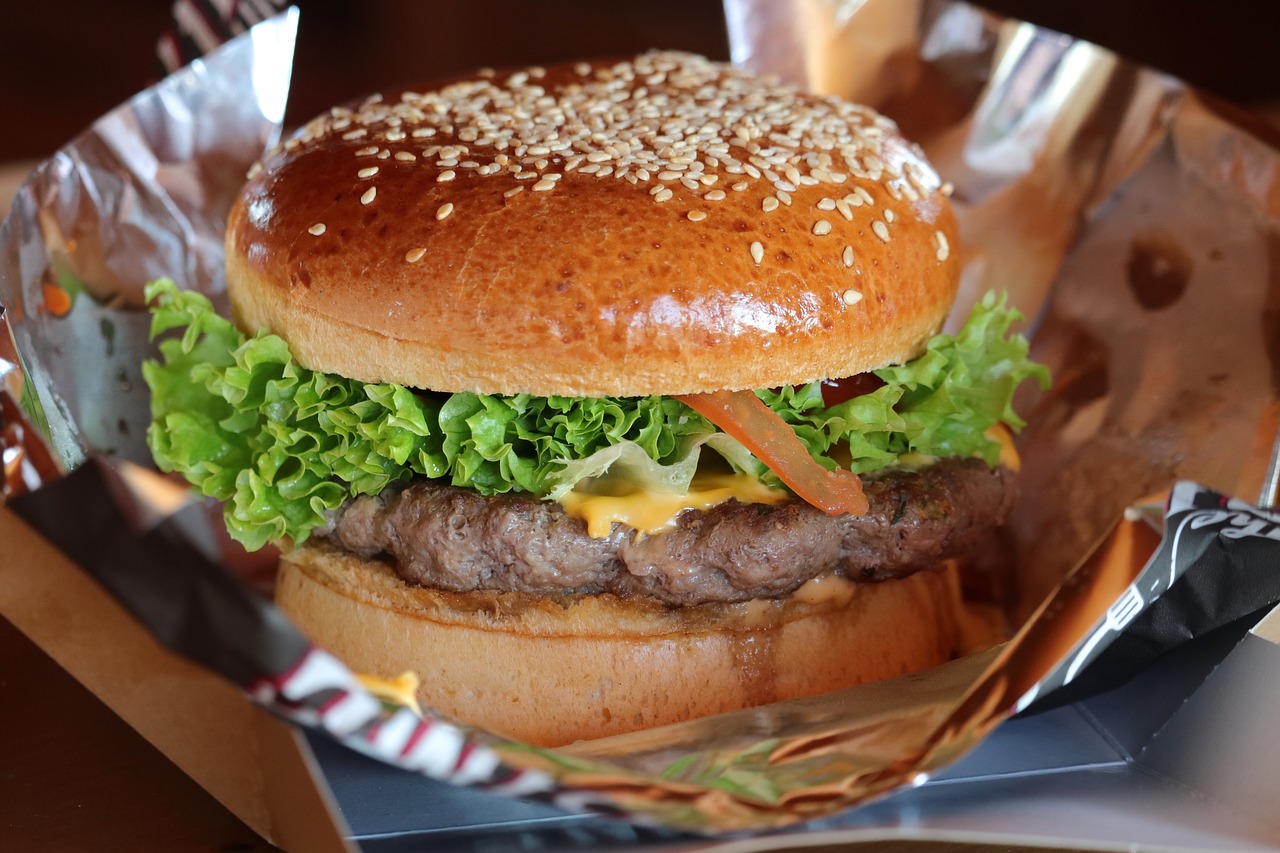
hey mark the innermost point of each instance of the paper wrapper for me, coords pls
(1133, 223)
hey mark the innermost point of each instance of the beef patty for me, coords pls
(451, 538)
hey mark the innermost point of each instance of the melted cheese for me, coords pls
(1009, 457)
(401, 690)
(652, 512)
(826, 589)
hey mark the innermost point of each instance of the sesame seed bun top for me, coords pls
(664, 225)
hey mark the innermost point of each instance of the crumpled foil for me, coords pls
(1129, 220)
(142, 194)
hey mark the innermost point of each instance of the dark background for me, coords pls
(65, 62)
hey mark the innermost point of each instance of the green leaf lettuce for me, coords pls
(283, 446)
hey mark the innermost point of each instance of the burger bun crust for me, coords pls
(381, 259)
(553, 671)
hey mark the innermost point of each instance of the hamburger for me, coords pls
(600, 396)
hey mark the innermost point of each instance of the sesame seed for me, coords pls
(757, 252)
(947, 189)
(414, 255)
(368, 195)
(821, 227)
(944, 247)
(847, 256)
(696, 215)
(851, 297)
(317, 229)
(367, 172)
(663, 194)
(770, 204)
(888, 215)
(446, 175)
(443, 211)
(882, 230)
(660, 117)
(544, 185)
(514, 191)
(254, 170)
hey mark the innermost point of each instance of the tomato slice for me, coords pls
(744, 416)
(835, 391)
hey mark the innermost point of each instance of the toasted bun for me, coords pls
(551, 672)
(645, 227)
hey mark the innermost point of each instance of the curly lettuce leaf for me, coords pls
(941, 404)
(284, 446)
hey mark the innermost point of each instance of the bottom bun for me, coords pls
(550, 671)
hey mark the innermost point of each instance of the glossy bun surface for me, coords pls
(664, 225)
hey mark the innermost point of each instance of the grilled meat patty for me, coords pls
(451, 538)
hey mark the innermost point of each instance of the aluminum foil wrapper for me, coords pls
(1130, 220)
(142, 194)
